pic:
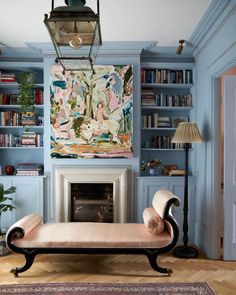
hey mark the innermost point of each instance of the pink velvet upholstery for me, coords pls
(153, 222)
(93, 235)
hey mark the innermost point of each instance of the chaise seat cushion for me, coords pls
(92, 235)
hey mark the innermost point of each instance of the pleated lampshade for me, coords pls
(187, 132)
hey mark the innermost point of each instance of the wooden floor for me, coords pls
(120, 268)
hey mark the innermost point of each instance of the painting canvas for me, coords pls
(91, 115)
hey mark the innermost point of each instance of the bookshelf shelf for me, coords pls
(20, 148)
(163, 150)
(17, 106)
(16, 85)
(22, 127)
(158, 129)
(166, 99)
(169, 109)
(18, 129)
(166, 85)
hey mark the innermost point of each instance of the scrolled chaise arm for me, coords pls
(21, 229)
(162, 203)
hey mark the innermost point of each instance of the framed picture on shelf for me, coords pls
(176, 120)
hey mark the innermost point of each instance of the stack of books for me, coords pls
(28, 119)
(29, 139)
(29, 169)
(177, 172)
(164, 122)
(8, 78)
(148, 97)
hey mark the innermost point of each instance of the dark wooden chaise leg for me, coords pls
(29, 257)
(152, 257)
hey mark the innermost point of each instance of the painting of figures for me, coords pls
(91, 115)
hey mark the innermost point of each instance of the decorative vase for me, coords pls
(152, 171)
(155, 171)
(9, 169)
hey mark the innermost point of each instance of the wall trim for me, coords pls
(223, 63)
(109, 48)
(214, 18)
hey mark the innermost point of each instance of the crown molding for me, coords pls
(107, 48)
(217, 13)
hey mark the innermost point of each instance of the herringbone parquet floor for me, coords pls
(120, 268)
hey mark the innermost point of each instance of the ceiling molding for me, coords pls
(107, 48)
(215, 15)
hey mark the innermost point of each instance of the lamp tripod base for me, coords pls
(185, 252)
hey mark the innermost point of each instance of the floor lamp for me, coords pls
(186, 133)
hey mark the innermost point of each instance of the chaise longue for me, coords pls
(30, 236)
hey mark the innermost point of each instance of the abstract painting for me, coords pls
(91, 115)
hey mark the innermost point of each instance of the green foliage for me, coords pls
(26, 92)
(5, 206)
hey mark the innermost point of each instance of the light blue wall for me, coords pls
(112, 56)
(215, 52)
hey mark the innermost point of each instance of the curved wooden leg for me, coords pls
(29, 257)
(152, 257)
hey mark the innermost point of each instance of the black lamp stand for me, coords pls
(185, 251)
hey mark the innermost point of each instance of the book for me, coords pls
(177, 172)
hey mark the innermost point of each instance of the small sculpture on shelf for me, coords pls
(154, 166)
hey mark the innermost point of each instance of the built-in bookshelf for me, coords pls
(21, 133)
(166, 100)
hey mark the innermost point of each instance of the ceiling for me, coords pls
(161, 21)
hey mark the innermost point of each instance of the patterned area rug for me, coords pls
(108, 289)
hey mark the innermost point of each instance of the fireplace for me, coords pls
(71, 182)
(92, 202)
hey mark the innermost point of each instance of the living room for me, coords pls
(208, 56)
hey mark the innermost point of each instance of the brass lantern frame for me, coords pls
(61, 27)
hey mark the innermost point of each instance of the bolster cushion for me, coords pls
(28, 223)
(153, 222)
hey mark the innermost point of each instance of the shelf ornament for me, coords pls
(153, 166)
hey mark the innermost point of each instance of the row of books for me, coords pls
(7, 77)
(29, 169)
(13, 99)
(12, 118)
(162, 142)
(165, 100)
(11, 140)
(166, 76)
(155, 121)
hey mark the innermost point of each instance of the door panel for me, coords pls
(229, 245)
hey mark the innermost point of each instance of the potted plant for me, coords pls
(4, 206)
(26, 92)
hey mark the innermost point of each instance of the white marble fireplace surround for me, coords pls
(64, 176)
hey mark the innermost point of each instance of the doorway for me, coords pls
(226, 230)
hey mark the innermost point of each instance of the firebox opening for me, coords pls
(92, 202)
